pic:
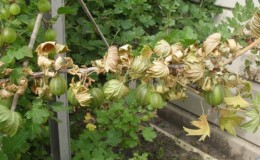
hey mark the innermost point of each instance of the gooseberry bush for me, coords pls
(108, 116)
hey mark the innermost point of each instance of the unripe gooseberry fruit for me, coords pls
(1, 40)
(14, 9)
(216, 96)
(58, 85)
(50, 35)
(43, 5)
(72, 98)
(143, 93)
(9, 35)
(5, 14)
(98, 97)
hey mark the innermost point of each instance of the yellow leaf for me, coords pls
(236, 101)
(88, 117)
(203, 126)
(91, 126)
(228, 120)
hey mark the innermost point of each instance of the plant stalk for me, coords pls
(244, 50)
(81, 70)
(86, 10)
(30, 45)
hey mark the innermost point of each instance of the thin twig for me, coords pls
(81, 70)
(86, 10)
(244, 50)
(30, 45)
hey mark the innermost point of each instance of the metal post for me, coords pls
(63, 126)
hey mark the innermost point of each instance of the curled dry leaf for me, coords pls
(11, 87)
(232, 45)
(74, 70)
(193, 71)
(158, 69)
(177, 52)
(161, 87)
(125, 58)
(44, 62)
(43, 92)
(68, 62)
(111, 59)
(27, 71)
(48, 73)
(100, 65)
(81, 93)
(254, 25)
(23, 84)
(7, 71)
(60, 48)
(45, 48)
(59, 63)
(146, 52)
(162, 48)
(207, 84)
(211, 43)
(5, 93)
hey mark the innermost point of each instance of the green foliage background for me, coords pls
(136, 22)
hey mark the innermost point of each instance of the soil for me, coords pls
(193, 140)
(165, 148)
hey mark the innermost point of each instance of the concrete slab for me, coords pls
(227, 144)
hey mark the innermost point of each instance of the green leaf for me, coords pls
(16, 74)
(17, 143)
(38, 114)
(22, 52)
(7, 59)
(59, 106)
(253, 124)
(3, 156)
(114, 137)
(67, 10)
(149, 134)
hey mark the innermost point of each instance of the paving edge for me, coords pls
(227, 144)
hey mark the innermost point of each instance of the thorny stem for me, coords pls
(81, 70)
(30, 45)
(244, 50)
(86, 10)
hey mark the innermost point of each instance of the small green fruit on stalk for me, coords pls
(58, 85)
(156, 100)
(97, 97)
(216, 96)
(72, 98)
(143, 93)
